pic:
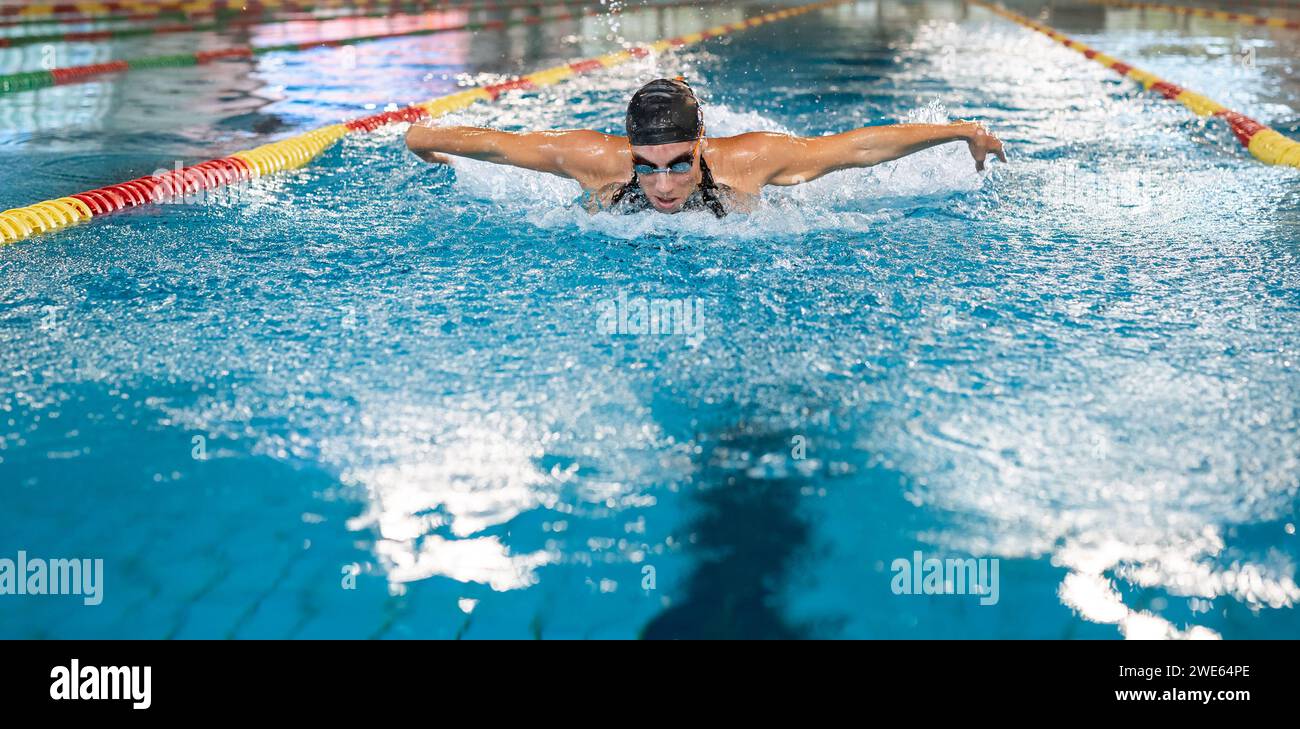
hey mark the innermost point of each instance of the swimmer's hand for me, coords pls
(433, 157)
(980, 143)
(420, 140)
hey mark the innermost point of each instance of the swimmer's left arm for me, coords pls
(788, 160)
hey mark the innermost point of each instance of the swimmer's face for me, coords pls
(667, 191)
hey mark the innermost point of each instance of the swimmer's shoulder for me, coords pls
(595, 159)
(737, 161)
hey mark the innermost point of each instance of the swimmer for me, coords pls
(666, 163)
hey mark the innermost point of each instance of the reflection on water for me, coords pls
(460, 478)
(745, 541)
(312, 88)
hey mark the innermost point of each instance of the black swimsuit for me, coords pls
(711, 196)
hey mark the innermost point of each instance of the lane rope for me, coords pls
(34, 80)
(1242, 18)
(1265, 144)
(295, 152)
(94, 8)
(103, 35)
(285, 12)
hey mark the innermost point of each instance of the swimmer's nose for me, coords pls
(663, 184)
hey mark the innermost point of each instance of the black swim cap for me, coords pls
(664, 111)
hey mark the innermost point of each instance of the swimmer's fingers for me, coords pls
(434, 157)
(997, 148)
(979, 152)
(981, 144)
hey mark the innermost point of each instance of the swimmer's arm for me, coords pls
(788, 160)
(589, 157)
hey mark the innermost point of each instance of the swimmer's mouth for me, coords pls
(666, 204)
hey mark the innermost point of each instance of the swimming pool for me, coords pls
(376, 398)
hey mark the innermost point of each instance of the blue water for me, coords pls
(1084, 364)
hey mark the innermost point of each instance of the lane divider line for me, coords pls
(50, 12)
(295, 152)
(1243, 18)
(35, 80)
(287, 12)
(1263, 143)
(416, 10)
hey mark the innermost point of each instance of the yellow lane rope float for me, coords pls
(1264, 143)
(295, 152)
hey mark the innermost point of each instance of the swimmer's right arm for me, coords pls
(591, 158)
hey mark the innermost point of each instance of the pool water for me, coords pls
(379, 398)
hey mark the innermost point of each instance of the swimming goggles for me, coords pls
(676, 168)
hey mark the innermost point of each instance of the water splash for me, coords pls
(848, 200)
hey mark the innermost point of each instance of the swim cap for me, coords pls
(663, 111)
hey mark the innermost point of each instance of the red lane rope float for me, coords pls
(52, 215)
(1243, 18)
(1263, 143)
(34, 80)
(415, 10)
